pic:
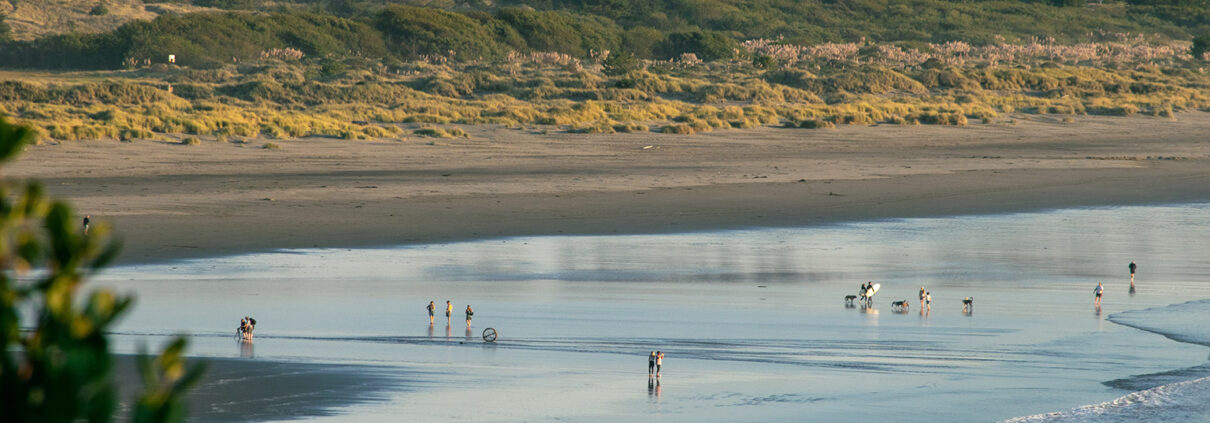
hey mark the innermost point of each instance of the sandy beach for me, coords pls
(759, 334)
(172, 201)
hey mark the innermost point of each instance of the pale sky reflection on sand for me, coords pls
(752, 321)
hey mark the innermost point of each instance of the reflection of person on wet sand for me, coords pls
(1132, 267)
(246, 350)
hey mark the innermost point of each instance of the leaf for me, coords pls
(12, 138)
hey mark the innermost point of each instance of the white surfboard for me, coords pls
(873, 290)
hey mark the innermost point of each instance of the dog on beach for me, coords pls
(900, 305)
(848, 299)
(968, 303)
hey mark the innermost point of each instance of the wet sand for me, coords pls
(172, 201)
(243, 389)
(752, 322)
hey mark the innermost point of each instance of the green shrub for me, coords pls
(1201, 45)
(441, 133)
(56, 365)
(570, 33)
(100, 9)
(707, 45)
(620, 63)
(417, 31)
(816, 124)
(764, 61)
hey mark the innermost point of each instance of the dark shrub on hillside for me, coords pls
(707, 45)
(1201, 45)
(201, 39)
(564, 32)
(620, 63)
(415, 31)
(100, 9)
(230, 4)
(4, 29)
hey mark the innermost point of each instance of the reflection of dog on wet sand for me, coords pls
(968, 303)
(848, 299)
(901, 305)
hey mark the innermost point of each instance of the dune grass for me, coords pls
(817, 87)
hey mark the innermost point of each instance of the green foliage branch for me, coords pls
(57, 367)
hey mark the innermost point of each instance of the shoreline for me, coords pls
(171, 202)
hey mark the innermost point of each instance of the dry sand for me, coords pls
(171, 201)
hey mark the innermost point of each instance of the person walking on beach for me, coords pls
(1098, 291)
(431, 307)
(1132, 267)
(469, 313)
(928, 301)
(922, 297)
(88, 219)
(651, 364)
(449, 309)
(659, 362)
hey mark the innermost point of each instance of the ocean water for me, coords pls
(1174, 395)
(753, 323)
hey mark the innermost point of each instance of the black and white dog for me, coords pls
(848, 299)
(968, 303)
(900, 305)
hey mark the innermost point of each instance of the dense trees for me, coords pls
(648, 29)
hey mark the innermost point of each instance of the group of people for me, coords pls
(655, 361)
(926, 300)
(246, 326)
(866, 293)
(449, 310)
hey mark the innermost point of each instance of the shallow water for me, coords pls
(752, 322)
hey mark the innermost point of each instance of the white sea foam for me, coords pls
(1182, 401)
(1178, 402)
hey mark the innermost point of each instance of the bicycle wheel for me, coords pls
(489, 335)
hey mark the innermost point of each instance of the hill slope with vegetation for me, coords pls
(369, 69)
